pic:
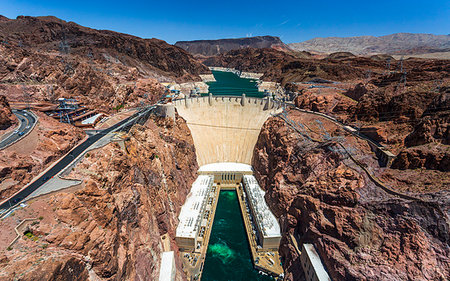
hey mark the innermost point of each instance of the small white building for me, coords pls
(191, 215)
(167, 270)
(312, 265)
(226, 173)
(267, 224)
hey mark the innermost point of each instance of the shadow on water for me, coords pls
(228, 83)
(228, 256)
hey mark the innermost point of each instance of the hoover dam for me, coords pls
(225, 128)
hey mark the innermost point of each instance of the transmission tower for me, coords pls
(26, 96)
(51, 93)
(388, 66)
(64, 48)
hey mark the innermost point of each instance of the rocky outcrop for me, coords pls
(111, 227)
(7, 118)
(359, 90)
(216, 47)
(360, 232)
(388, 44)
(428, 156)
(435, 127)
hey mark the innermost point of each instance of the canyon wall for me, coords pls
(322, 197)
(109, 228)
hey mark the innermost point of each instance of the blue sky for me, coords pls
(293, 21)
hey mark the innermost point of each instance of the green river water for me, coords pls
(228, 256)
(228, 83)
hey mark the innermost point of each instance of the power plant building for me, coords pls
(194, 214)
(268, 228)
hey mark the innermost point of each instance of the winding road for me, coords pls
(27, 121)
(67, 159)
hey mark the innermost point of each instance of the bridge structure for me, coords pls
(225, 128)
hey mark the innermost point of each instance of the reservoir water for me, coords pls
(228, 256)
(228, 83)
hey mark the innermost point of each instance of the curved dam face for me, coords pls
(225, 128)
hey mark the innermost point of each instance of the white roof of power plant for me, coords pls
(267, 221)
(167, 268)
(316, 263)
(226, 167)
(191, 212)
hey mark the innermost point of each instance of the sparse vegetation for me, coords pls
(31, 236)
(117, 108)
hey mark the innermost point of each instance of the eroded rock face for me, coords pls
(427, 156)
(7, 118)
(436, 126)
(110, 228)
(361, 232)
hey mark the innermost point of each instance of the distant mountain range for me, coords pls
(220, 46)
(398, 43)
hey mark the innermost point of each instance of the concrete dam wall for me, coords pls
(225, 128)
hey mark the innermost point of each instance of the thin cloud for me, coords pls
(284, 22)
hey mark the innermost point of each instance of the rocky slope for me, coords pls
(389, 44)
(54, 58)
(7, 118)
(111, 227)
(216, 47)
(324, 198)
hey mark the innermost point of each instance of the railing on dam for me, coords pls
(267, 102)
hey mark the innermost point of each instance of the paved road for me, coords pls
(27, 121)
(65, 161)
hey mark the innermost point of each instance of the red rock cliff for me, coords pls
(360, 231)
